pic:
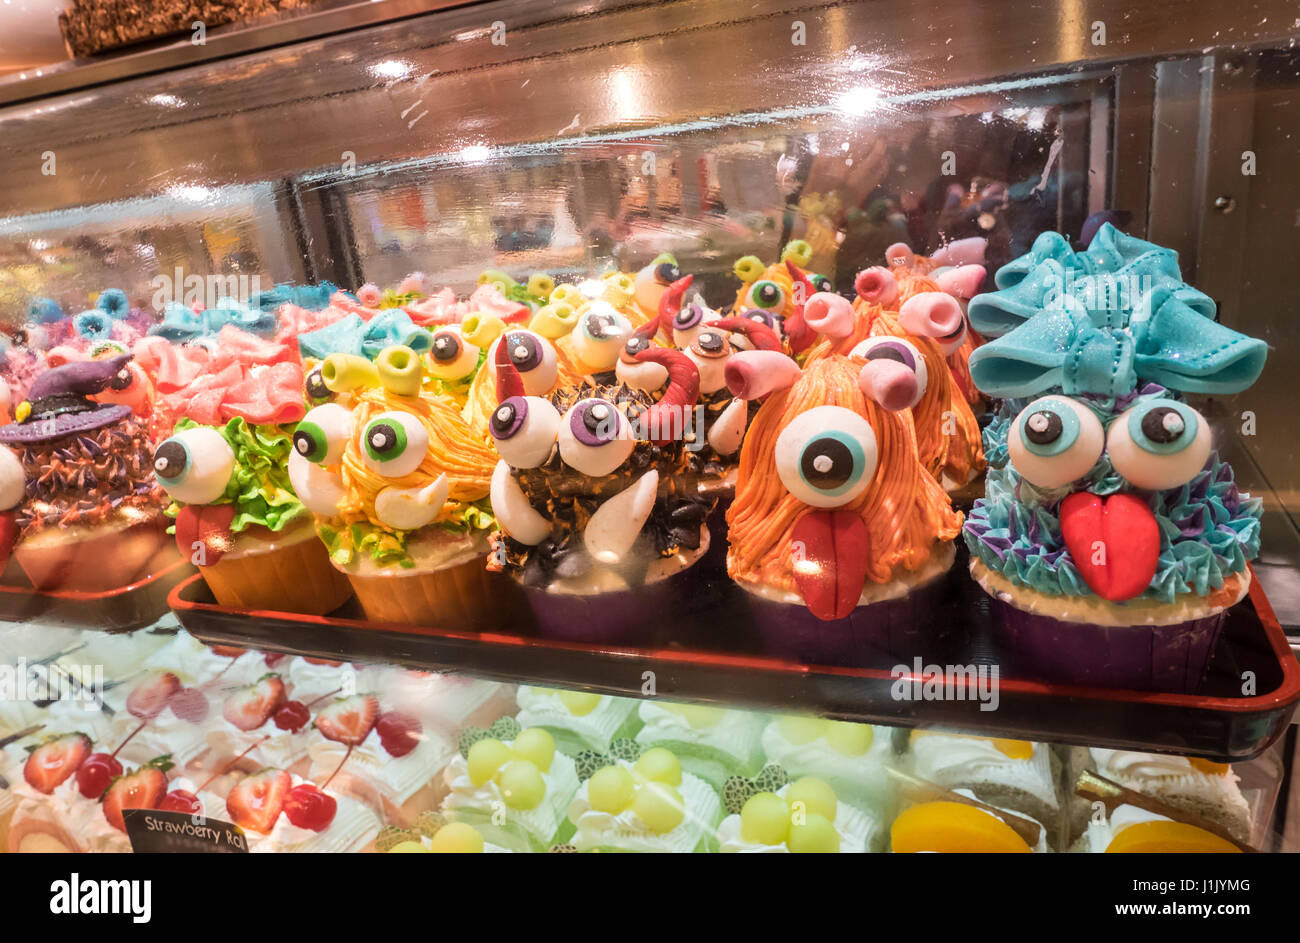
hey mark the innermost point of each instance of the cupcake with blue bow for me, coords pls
(1112, 537)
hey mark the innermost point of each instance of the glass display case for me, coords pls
(660, 427)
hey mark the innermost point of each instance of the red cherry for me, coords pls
(97, 773)
(190, 705)
(293, 716)
(307, 807)
(398, 732)
(273, 658)
(181, 800)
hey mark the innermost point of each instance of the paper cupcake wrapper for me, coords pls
(1167, 658)
(627, 617)
(297, 577)
(881, 633)
(112, 557)
(465, 596)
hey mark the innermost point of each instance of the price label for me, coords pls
(152, 831)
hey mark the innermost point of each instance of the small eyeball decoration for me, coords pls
(399, 459)
(652, 281)
(592, 476)
(831, 496)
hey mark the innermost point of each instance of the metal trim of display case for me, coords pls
(116, 610)
(1223, 728)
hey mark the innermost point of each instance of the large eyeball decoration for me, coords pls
(1159, 444)
(194, 465)
(599, 335)
(1055, 441)
(323, 434)
(827, 456)
(451, 356)
(394, 444)
(524, 430)
(895, 350)
(594, 437)
(534, 358)
(765, 294)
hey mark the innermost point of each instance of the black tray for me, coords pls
(116, 610)
(1219, 721)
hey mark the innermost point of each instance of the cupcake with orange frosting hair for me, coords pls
(399, 484)
(837, 532)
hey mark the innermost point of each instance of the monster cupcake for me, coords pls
(597, 523)
(1113, 539)
(398, 485)
(82, 510)
(837, 533)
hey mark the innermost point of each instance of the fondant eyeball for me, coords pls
(643, 375)
(651, 282)
(450, 355)
(314, 387)
(821, 283)
(534, 358)
(765, 294)
(195, 465)
(394, 444)
(524, 430)
(13, 482)
(827, 456)
(594, 437)
(899, 351)
(1055, 441)
(709, 352)
(949, 344)
(1159, 444)
(323, 434)
(599, 335)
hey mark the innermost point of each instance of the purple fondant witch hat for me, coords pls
(59, 403)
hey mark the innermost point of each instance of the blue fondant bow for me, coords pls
(352, 335)
(184, 325)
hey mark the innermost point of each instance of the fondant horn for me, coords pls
(512, 509)
(509, 382)
(670, 302)
(758, 334)
(665, 420)
(613, 528)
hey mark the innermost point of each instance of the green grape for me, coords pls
(698, 715)
(765, 819)
(659, 806)
(522, 786)
(849, 739)
(457, 839)
(815, 836)
(611, 790)
(661, 766)
(817, 797)
(579, 703)
(537, 746)
(485, 758)
(801, 730)
(408, 848)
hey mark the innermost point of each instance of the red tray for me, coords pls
(116, 610)
(1219, 722)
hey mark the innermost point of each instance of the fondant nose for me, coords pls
(876, 285)
(829, 314)
(890, 383)
(930, 314)
(963, 281)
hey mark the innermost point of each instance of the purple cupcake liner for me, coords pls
(628, 617)
(879, 635)
(1166, 658)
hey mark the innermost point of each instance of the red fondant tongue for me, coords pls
(8, 535)
(830, 561)
(1114, 541)
(207, 525)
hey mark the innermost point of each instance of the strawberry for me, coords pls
(349, 720)
(322, 661)
(399, 733)
(252, 706)
(151, 695)
(227, 651)
(142, 789)
(257, 801)
(54, 760)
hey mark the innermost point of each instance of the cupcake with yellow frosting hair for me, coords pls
(399, 487)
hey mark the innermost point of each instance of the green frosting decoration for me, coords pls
(259, 487)
(386, 547)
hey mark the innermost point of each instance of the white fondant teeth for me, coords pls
(646, 376)
(728, 430)
(412, 508)
(318, 489)
(520, 520)
(613, 529)
(713, 376)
